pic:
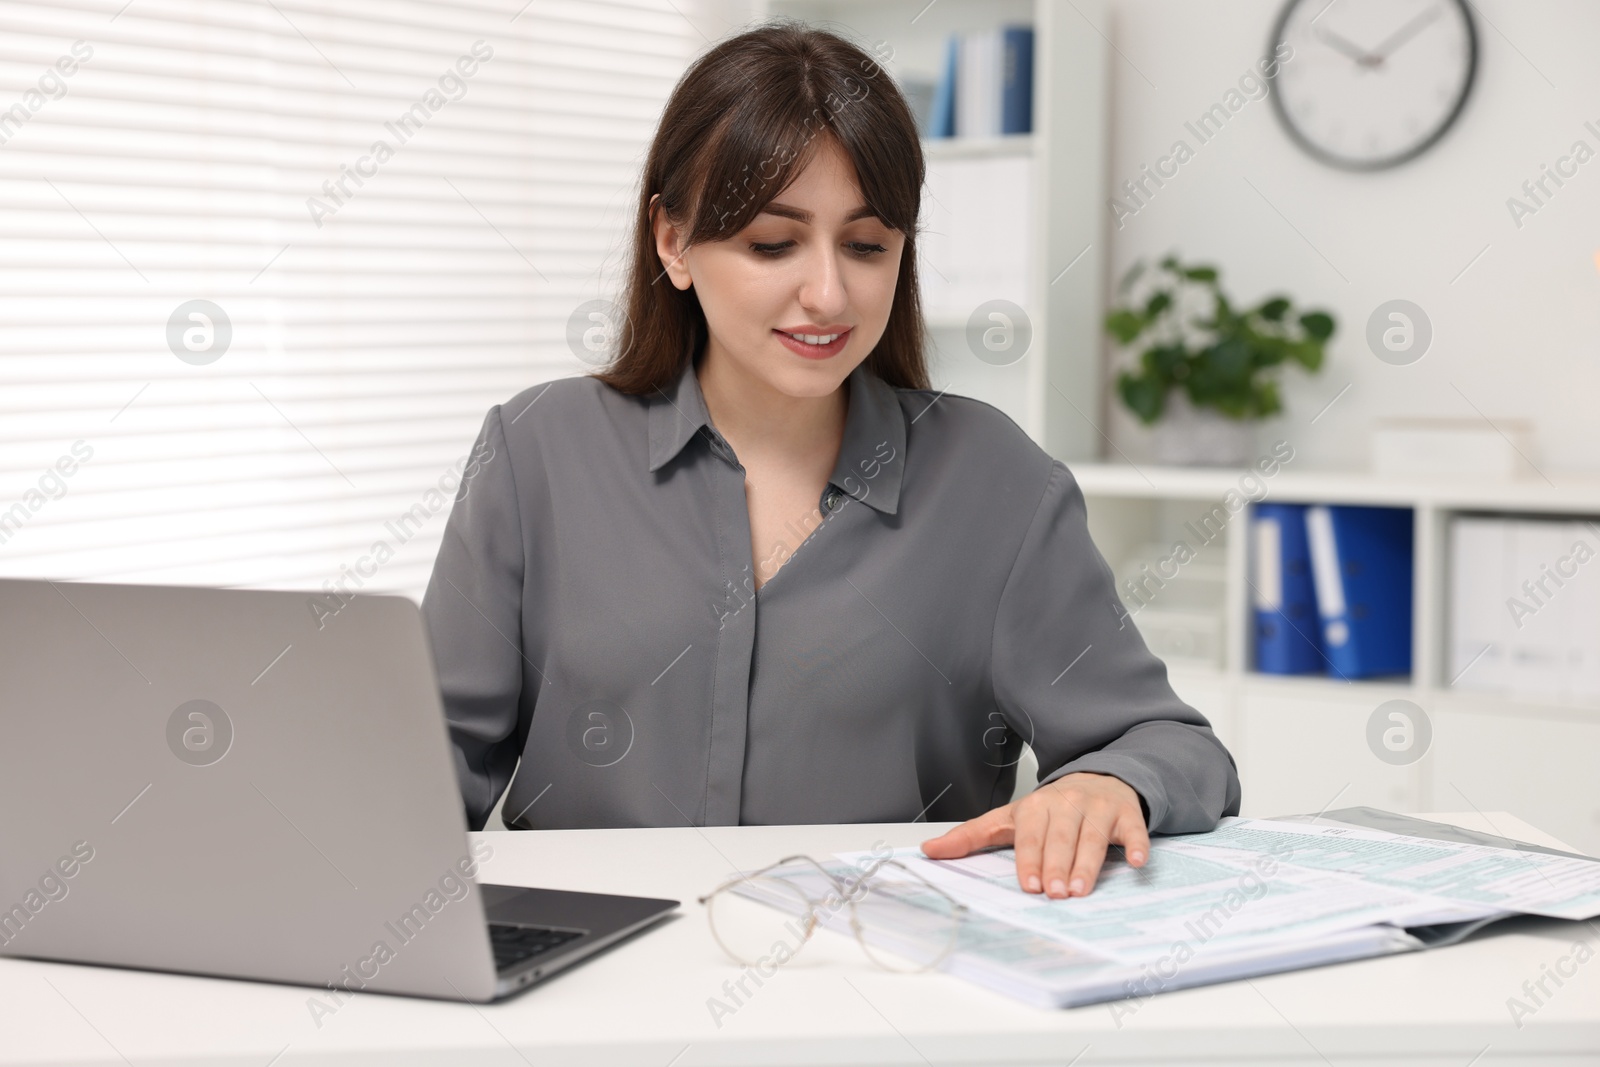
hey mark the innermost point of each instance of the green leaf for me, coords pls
(1159, 301)
(1166, 362)
(1125, 325)
(1230, 359)
(1142, 395)
(1266, 401)
(1268, 350)
(1308, 354)
(1201, 274)
(1224, 312)
(1318, 324)
(1232, 398)
(1130, 276)
(1273, 310)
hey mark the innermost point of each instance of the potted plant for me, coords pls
(1218, 363)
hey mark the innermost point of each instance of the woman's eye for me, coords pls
(863, 249)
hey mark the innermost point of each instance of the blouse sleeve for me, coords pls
(472, 611)
(1074, 678)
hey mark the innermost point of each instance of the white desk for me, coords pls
(645, 1002)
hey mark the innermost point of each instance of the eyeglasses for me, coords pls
(902, 921)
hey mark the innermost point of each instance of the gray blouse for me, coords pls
(593, 611)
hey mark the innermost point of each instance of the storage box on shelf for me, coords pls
(1525, 611)
(1302, 741)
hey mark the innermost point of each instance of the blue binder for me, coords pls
(942, 119)
(1288, 632)
(1016, 80)
(1361, 564)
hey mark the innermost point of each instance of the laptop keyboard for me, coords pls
(514, 943)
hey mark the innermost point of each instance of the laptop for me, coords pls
(251, 784)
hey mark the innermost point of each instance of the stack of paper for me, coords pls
(1252, 897)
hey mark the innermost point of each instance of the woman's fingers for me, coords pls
(993, 827)
(1091, 855)
(1059, 835)
(1071, 838)
(1086, 818)
(1133, 836)
(1033, 826)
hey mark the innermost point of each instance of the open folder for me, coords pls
(1252, 897)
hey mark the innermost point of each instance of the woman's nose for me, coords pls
(823, 288)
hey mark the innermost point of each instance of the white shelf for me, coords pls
(1524, 706)
(1575, 494)
(1132, 505)
(1016, 144)
(1301, 739)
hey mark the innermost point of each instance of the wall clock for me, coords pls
(1371, 84)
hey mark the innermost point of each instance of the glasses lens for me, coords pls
(759, 921)
(903, 924)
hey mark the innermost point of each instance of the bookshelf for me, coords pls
(1301, 740)
(1054, 391)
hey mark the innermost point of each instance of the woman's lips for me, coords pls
(810, 351)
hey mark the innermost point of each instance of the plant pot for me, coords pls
(1201, 437)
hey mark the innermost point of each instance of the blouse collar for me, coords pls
(871, 454)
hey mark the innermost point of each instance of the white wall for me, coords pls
(1518, 335)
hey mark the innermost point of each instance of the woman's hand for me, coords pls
(1060, 832)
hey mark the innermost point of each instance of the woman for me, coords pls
(756, 571)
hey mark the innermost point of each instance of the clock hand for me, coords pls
(1344, 45)
(1405, 33)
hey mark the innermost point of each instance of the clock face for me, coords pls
(1372, 83)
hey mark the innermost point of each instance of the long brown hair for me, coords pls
(740, 125)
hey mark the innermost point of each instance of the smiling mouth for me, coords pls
(820, 340)
(814, 346)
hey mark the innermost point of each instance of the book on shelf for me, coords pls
(985, 87)
(1361, 567)
(1288, 632)
(942, 118)
(1331, 589)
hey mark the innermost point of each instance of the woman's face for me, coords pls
(815, 261)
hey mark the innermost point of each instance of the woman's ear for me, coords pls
(668, 245)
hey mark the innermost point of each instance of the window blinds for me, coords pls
(266, 264)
